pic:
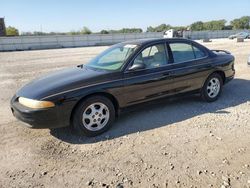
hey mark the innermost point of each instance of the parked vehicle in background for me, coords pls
(89, 96)
(171, 33)
(243, 35)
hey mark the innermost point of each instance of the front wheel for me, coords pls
(93, 116)
(211, 90)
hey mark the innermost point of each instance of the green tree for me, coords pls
(241, 23)
(131, 30)
(246, 21)
(228, 27)
(85, 31)
(178, 28)
(127, 30)
(12, 31)
(197, 26)
(236, 23)
(159, 28)
(162, 27)
(104, 32)
(150, 29)
(214, 25)
(73, 32)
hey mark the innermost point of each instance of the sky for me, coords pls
(68, 15)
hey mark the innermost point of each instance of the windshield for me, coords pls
(113, 58)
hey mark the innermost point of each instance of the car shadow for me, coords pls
(164, 112)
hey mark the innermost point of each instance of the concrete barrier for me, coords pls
(240, 39)
(66, 41)
(197, 35)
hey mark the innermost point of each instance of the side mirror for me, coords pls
(137, 66)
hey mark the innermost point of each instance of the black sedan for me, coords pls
(89, 97)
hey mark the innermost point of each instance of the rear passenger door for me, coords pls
(189, 66)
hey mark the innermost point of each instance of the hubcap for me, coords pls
(95, 116)
(213, 87)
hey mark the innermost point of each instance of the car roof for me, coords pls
(149, 41)
(152, 40)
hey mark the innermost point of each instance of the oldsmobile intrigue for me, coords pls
(89, 96)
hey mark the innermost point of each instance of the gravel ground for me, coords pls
(183, 142)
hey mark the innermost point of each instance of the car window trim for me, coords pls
(169, 51)
(150, 51)
(193, 52)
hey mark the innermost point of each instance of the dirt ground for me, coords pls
(183, 142)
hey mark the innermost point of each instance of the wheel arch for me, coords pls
(220, 72)
(105, 94)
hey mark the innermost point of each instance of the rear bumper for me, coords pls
(229, 74)
(54, 117)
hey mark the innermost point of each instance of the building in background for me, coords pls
(2, 27)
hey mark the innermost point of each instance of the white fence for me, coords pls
(66, 41)
(196, 35)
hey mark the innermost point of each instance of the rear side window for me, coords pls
(198, 53)
(183, 52)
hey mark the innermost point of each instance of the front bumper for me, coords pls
(54, 117)
(228, 79)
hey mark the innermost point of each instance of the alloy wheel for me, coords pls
(95, 116)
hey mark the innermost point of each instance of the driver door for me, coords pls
(150, 82)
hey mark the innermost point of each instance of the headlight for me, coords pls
(35, 103)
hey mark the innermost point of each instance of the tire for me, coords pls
(212, 88)
(93, 116)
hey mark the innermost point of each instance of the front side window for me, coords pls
(183, 52)
(113, 58)
(153, 56)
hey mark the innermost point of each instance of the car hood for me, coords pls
(60, 81)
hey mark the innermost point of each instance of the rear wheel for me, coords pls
(211, 90)
(93, 116)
